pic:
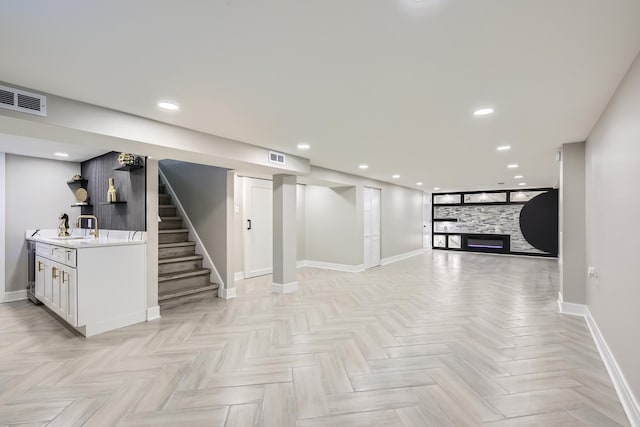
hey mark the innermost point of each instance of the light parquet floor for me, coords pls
(441, 339)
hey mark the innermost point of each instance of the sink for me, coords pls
(68, 238)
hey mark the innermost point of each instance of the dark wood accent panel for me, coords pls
(131, 187)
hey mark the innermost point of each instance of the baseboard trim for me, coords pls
(400, 257)
(238, 275)
(112, 324)
(626, 396)
(331, 266)
(153, 313)
(286, 288)
(225, 293)
(13, 296)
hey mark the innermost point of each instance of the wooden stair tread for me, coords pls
(171, 218)
(190, 291)
(175, 244)
(183, 274)
(166, 206)
(180, 259)
(175, 230)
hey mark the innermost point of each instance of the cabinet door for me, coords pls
(71, 300)
(48, 283)
(40, 277)
(56, 272)
(63, 305)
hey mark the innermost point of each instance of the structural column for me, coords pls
(573, 274)
(284, 234)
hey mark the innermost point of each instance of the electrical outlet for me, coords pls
(592, 273)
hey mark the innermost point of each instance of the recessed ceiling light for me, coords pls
(512, 166)
(363, 166)
(395, 176)
(169, 106)
(518, 177)
(522, 183)
(61, 154)
(303, 146)
(503, 148)
(418, 183)
(483, 112)
(436, 188)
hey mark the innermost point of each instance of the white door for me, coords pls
(372, 198)
(258, 227)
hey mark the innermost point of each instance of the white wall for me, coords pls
(2, 225)
(613, 232)
(332, 233)
(300, 223)
(572, 223)
(36, 194)
(334, 218)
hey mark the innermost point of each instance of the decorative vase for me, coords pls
(112, 195)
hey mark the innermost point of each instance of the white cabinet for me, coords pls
(56, 281)
(95, 288)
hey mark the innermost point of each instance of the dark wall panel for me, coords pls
(130, 186)
(539, 222)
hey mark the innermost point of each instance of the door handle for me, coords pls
(249, 222)
(53, 273)
(39, 266)
(63, 279)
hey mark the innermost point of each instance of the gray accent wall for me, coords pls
(203, 193)
(36, 192)
(612, 177)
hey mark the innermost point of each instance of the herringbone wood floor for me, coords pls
(443, 339)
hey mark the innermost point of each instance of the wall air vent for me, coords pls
(23, 101)
(278, 158)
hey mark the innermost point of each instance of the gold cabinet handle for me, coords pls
(39, 266)
(53, 273)
(63, 279)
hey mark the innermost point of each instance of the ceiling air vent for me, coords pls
(23, 101)
(278, 158)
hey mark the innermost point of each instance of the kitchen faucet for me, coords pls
(95, 231)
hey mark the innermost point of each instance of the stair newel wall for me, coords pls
(152, 238)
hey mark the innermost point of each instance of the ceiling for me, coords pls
(389, 83)
(47, 149)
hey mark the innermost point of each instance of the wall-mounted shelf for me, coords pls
(81, 205)
(113, 203)
(80, 182)
(128, 168)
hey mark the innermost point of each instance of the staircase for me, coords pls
(181, 277)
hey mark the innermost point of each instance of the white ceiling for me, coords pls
(46, 149)
(391, 83)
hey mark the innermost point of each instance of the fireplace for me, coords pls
(498, 243)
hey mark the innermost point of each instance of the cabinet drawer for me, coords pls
(43, 250)
(64, 256)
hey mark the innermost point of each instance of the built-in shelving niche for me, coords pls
(129, 212)
(455, 237)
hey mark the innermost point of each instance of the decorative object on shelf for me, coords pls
(64, 225)
(128, 159)
(81, 196)
(112, 194)
(76, 177)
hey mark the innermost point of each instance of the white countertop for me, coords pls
(81, 238)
